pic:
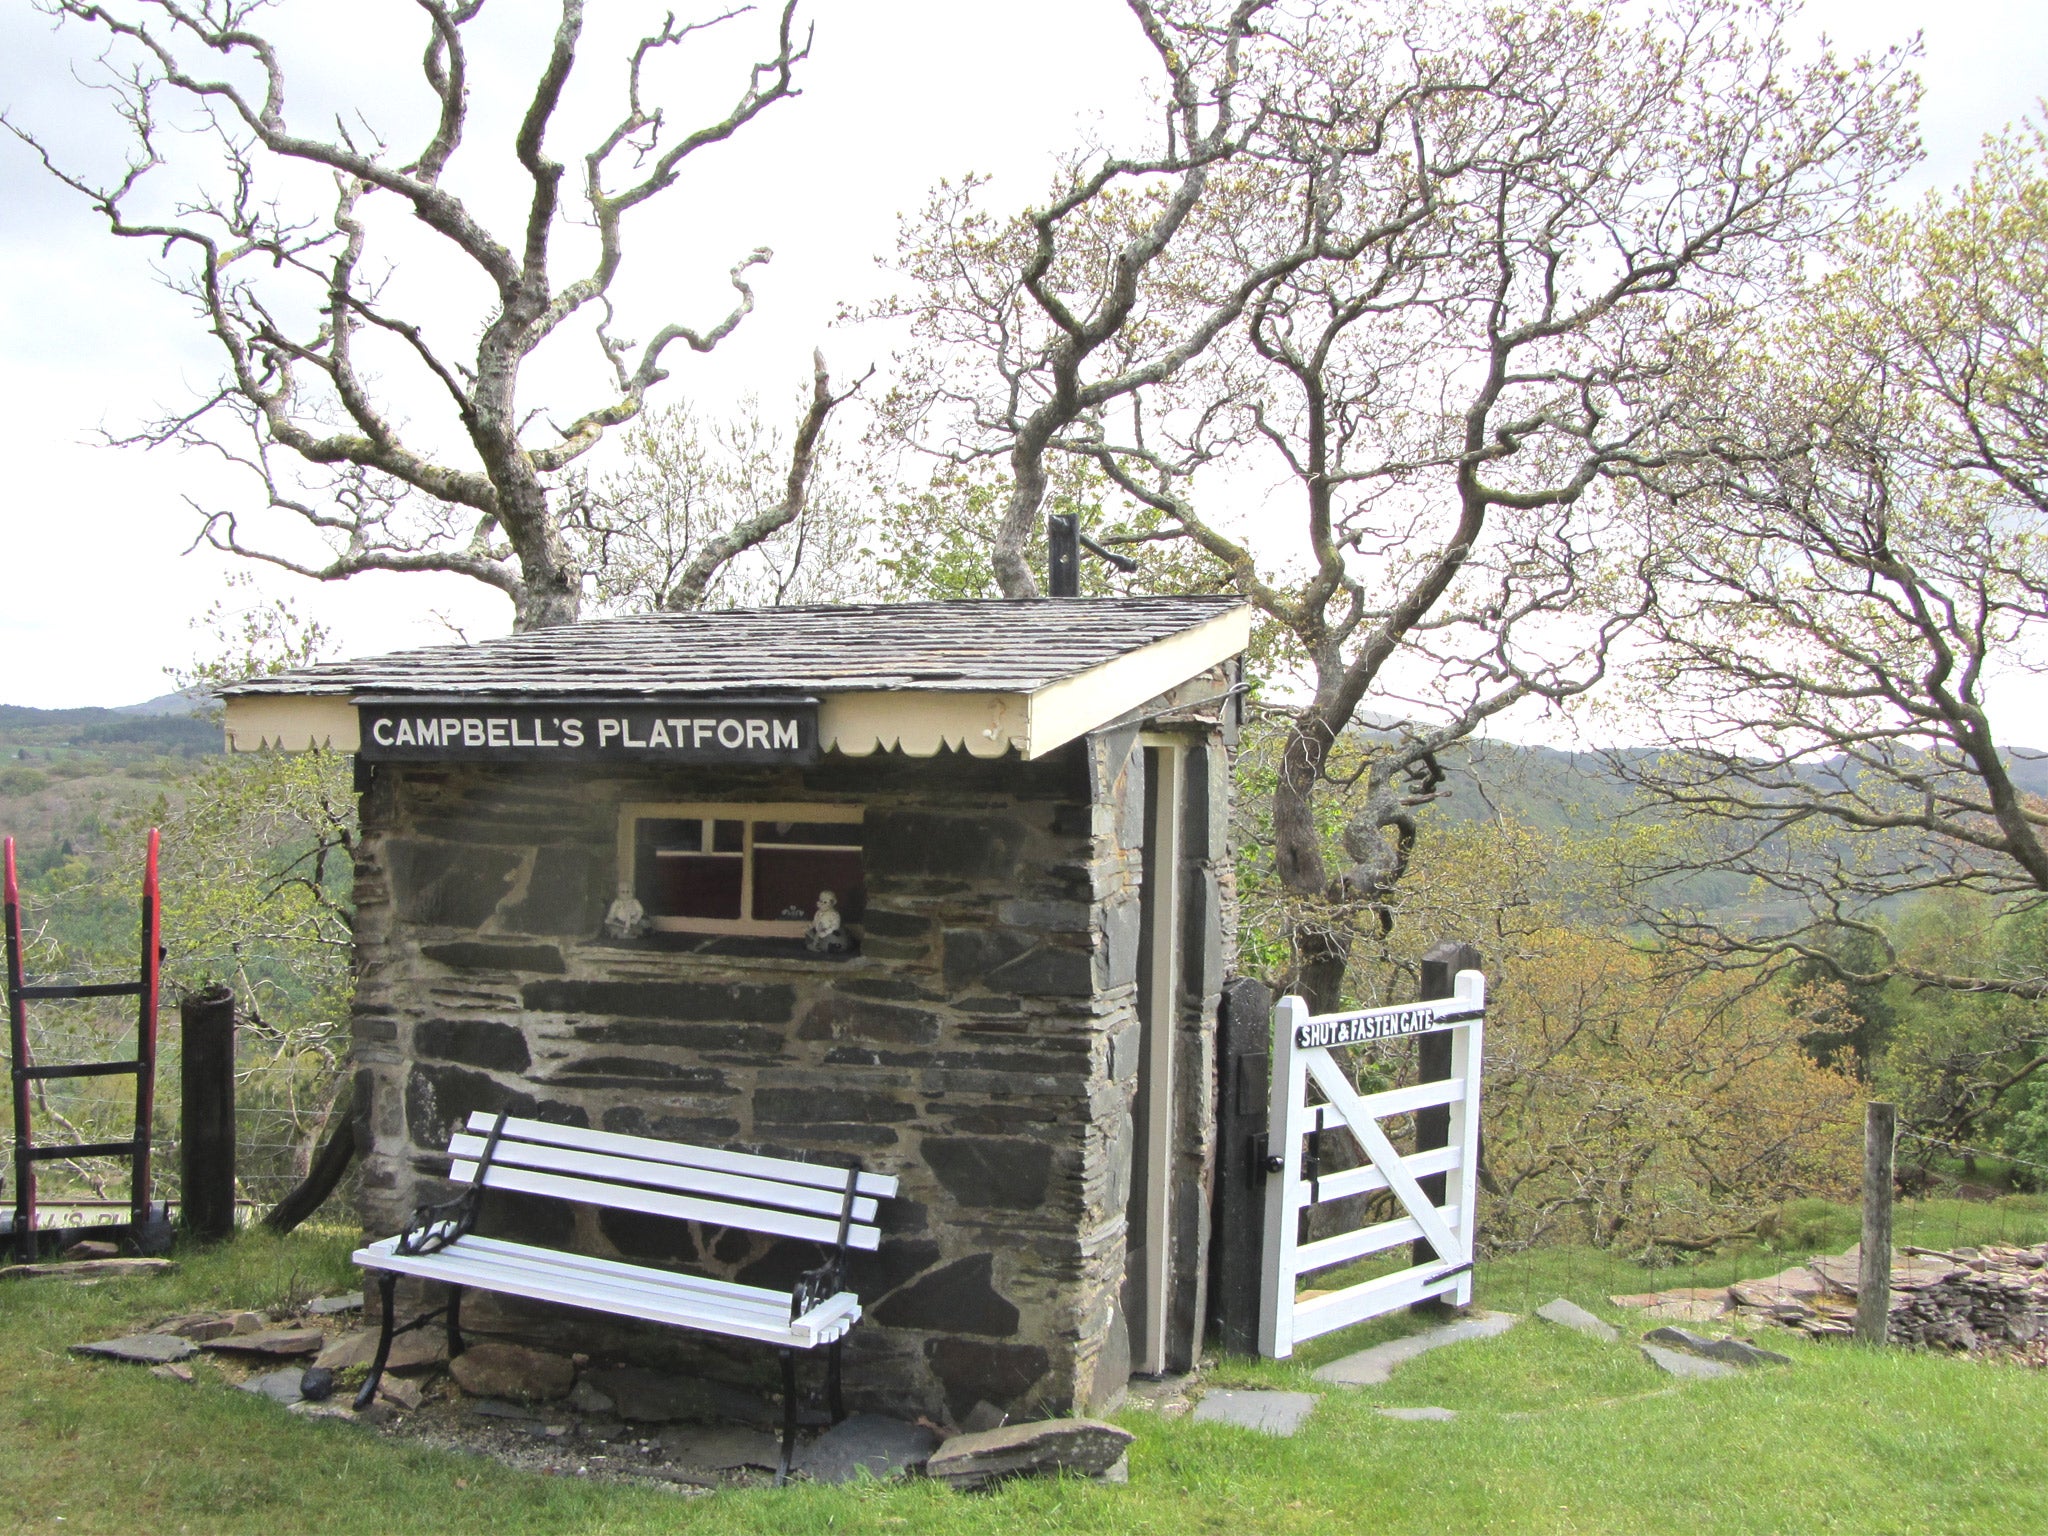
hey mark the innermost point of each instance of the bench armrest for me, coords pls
(831, 1317)
(431, 1228)
(818, 1285)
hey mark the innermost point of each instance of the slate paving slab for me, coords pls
(1419, 1415)
(1372, 1367)
(883, 1448)
(1677, 1363)
(276, 1343)
(499, 1408)
(1085, 1447)
(87, 1269)
(1569, 1314)
(1733, 1351)
(140, 1349)
(721, 1447)
(398, 1392)
(198, 1327)
(333, 1306)
(1270, 1413)
(500, 1369)
(278, 1386)
(173, 1372)
(413, 1351)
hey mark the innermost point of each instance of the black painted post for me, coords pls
(207, 1129)
(1063, 554)
(1244, 1059)
(1440, 967)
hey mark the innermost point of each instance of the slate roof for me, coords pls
(993, 646)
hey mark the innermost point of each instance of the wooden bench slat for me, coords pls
(787, 1170)
(721, 1292)
(610, 1278)
(451, 1265)
(659, 1175)
(654, 1202)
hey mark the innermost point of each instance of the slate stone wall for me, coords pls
(981, 1045)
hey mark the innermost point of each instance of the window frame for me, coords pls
(746, 813)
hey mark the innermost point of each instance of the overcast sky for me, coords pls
(97, 594)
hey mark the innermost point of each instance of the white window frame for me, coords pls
(746, 814)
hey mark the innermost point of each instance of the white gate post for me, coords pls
(1283, 1140)
(1461, 1187)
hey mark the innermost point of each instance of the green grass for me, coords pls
(1555, 1434)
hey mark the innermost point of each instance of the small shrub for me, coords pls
(22, 781)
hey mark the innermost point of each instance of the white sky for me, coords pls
(96, 593)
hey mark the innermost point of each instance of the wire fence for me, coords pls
(285, 1101)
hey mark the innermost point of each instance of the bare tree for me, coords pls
(1855, 596)
(1502, 331)
(1061, 307)
(310, 399)
(724, 514)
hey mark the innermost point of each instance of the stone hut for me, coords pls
(587, 889)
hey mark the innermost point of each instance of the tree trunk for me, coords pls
(1322, 952)
(327, 1170)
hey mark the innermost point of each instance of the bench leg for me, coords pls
(387, 1284)
(455, 1344)
(832, 1394)
(788, 1417)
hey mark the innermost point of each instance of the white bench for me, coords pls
(808, 1202)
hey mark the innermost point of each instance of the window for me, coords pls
(752, 869)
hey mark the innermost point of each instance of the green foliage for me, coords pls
(22, 781)
(2025, 1136)
(935, 544)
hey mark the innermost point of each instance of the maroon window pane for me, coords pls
(690, 885)
(728, 836)
(787, 882)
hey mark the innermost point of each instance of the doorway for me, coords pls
(1148, 1217)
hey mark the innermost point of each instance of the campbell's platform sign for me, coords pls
(574, 732)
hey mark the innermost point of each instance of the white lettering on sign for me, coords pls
(745, 735)
(1382, 1024)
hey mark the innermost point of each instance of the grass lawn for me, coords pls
(1555, 1433)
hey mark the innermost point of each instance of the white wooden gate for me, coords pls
(1302, 1053)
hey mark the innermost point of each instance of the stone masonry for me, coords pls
(981, 1044)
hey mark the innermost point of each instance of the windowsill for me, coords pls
(728, 945)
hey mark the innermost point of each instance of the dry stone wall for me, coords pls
(980, 1044)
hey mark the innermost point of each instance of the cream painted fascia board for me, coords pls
(259, 722)
(919, 724)
(1075, 705)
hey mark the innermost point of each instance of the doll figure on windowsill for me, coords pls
(627, 918)
(827, 934)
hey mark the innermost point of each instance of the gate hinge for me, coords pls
(1262, 1162)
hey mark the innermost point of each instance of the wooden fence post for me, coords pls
(1874, 1278)
(1440, 967)
(206, 1136)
